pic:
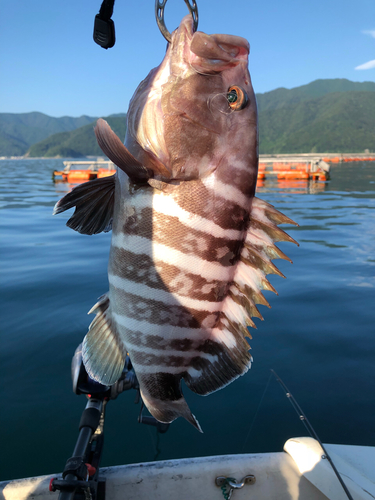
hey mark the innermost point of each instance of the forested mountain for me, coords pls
(77, 143)
(18, 131)
(334, 115)
(282, 97)
(342, 122)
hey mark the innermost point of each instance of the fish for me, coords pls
(191, 244)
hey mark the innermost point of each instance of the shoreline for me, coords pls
(328, 157)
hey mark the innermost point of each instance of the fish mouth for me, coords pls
(206, 54)
(180, 44)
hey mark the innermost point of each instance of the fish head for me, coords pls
(196, 109)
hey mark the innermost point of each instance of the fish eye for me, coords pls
(237, 98)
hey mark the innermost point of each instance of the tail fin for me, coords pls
(168, 402)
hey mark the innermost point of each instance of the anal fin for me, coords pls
(103, 351)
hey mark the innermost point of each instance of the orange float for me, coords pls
(300, 166)
(281, 166)
(79, 175)
(293, 174)
(104, 172)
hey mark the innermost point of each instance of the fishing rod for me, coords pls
(80, 478)
(311, 431)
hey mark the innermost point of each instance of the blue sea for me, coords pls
(319, 335)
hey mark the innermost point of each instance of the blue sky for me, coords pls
(49, 62)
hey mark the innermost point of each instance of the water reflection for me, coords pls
(293, 186)
(62, 187)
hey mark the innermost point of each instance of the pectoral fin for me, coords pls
(94, 201)
(103, 351)
(112, 147)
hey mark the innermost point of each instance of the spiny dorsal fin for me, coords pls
(254, 264)
(94, 202)
(239, 305)
(112, 147)
(228, 336)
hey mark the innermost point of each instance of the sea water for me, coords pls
(319, 335)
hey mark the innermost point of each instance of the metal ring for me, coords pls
(159, 14)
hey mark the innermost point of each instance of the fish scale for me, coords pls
(191, 245)
(185, 318)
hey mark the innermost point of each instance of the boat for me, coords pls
(300, 472)
(306, 469)
(83, 171)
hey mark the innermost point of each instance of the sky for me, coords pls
(50, 63)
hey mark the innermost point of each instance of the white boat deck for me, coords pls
(299, 473)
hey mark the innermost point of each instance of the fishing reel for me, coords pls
(80, 478)
(84, 384)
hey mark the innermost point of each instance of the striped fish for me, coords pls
(191, 245)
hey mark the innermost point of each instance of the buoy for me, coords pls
(79, 175)
(292, 174)
(104, 172)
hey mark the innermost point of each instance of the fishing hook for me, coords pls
(159, 14)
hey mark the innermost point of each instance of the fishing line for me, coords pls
(257, 411)
(311, 431)
(199, 72)
(211, 104)
(153, 441)
(156, 445)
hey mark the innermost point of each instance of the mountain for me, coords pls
(18, 131)
(77, 143)
(282, 97)
(341, 122)
(334, 115)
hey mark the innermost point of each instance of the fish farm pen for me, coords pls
(82, 171)
(281, 166)
(304, 166)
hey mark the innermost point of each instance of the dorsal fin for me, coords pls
(255, 262)
(116, 151)
(228, 336)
